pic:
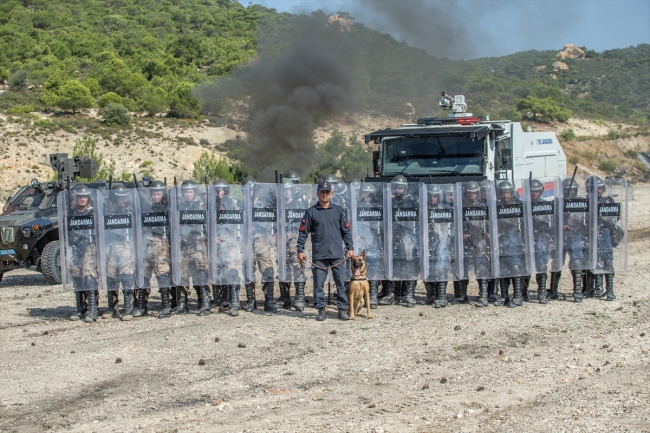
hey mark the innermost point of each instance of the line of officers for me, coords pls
(227, 236)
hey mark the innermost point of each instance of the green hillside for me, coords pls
(147, 55)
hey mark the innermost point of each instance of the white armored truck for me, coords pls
(463, 147)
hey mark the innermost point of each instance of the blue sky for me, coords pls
(484, 28)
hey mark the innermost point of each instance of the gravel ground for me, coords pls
(561, 367)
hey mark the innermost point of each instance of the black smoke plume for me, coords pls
(289, 94)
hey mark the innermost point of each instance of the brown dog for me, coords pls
(358, 289)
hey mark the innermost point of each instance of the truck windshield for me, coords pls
(431, 156)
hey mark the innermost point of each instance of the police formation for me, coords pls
(221, 237)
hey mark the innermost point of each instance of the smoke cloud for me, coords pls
(289, 95)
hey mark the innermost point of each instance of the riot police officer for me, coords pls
(120, 253)
(543, 238)
(83, 266)
(251, 304)
(441, 249)
(512, 256)
(193, 251)
(157, 258)
(371, 235)
(405, 244)
(293, 199)
(448, 191)
(576, 243)
(492, 283)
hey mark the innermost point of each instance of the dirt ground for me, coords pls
(560, 367)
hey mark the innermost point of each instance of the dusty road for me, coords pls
(563, 367)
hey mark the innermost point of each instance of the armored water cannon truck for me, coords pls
(463, 147)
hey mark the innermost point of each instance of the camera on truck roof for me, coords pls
(71, 168)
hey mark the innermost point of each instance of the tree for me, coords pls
(93, 86)
(109, 98)
(18, 80)
(214, 168)
(113, 75)
(155, 101)
(547, 108)
(638, 118)
(115, 114)
(74, 95)
(182, 102)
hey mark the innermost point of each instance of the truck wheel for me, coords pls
(51, 263)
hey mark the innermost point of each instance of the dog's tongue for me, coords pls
(357, 272)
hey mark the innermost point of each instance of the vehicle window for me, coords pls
(420, 156)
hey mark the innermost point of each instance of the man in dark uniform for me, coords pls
(543, 238)
(329, 228)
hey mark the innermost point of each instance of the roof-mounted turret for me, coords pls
(456, 104)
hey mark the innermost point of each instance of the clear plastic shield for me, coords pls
(611, 228)
(260, 210)
(579, 224)
(189, 235)
(367, 225)
(152, 238)
(478, 230)
(514, 249)
(404, 250)
(441, 238)
(80, 241)
(117, 235)
(226, 234)
(294, 201)
(542, 205)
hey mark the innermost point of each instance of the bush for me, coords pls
(18, 80)
(509, 113)
(73, 95)
(574, 159)
(4, 74)
(568, 135)
(639, 119)
(183, 103)
(109, 98)
(607, 165)
(214, 168)
(631, 153)
(612, 135)
(21, 109)
(115, 114)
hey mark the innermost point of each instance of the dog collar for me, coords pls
(358, 279)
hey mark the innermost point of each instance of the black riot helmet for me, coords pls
(448, 192)
(369, 189)
(569, 186)
(287, 184)
(594, 181)
(398, 185)
(434, 189)
(536, 186)
(157, 185)
(247, 180)
(330, 178)
(188, 184)
(472, 186)
(292, 176)
(356, 182)
(505, 187)
(81, 190)
(118, 190)
(221, 184)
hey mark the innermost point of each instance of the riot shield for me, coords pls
(478, 231)
(152, 238)
(189, 235)
(404, 249)
(440, 236)
(542, 209)
(367, 220)
(611, 228)
(579, 224)
(226, 235)
(117, 235)
(294, 201)
(514, 254)
(260, 210)
(80, 241)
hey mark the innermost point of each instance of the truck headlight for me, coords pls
(27, 232)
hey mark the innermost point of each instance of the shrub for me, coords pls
(183, 103)
(213, 167)
(109, 98)
(574, 159)
(115, 114)
(607, 165)
(74, 95)
(18, 80)
(631, 153)
(612, 135)
(21, 109)
(568, 135)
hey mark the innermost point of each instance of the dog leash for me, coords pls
(302, 265)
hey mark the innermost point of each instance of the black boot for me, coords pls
(113, 307)
(493, 296)
(165, 310)
(609, 286)
(204, 300)
(128, 304)
(92, 313)
(142, 303)
(384, 289)
(462, 293)
(390, 298)
(589, 288)
(181, 300)
(431, 292)
(525, 282)
(409, 296)
(374, 287)
(577, 286)
(285, 295)
(504, 287)
(80, 302)
(483, 294)
(598, 292)
(269, 301)
(441, 299)
(172, 297)
(225, 295)
(299, 302)
(541, 288)
(517, 297)
(555, 283)
(234, 301)
(251, 304)
(217, 300)
(456, 289)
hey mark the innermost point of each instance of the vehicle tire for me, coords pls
(51, 263)
(1, 275)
